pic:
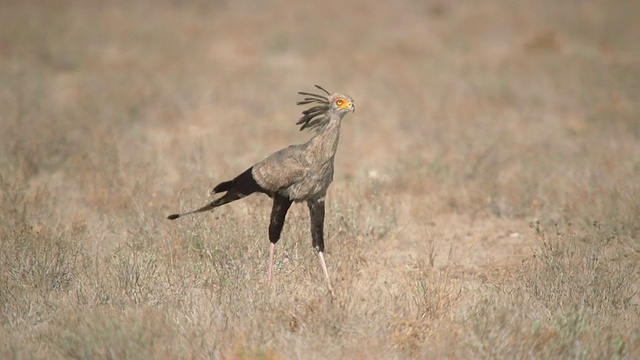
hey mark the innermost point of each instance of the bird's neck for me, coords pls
(324, 143)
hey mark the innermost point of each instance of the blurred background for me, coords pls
(480, 126)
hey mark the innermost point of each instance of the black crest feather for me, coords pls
(314, 116)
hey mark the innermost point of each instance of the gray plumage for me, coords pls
(297, 173)
(304, 172)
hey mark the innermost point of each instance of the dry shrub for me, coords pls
(38, 262)
(434, 294)
(36, 266)
(575, 298)
(136, 334)
(588, 269)
(468, 126)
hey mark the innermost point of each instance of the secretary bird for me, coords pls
(297, 173)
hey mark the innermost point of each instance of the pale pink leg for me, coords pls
(326, 273)
(271, 252)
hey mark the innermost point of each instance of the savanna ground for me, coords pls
(486, 202)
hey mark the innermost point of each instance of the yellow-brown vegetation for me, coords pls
(486, 202)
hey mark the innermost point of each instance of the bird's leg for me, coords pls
(281, 205)
(326, 273)
(316, 212)
(271, 252)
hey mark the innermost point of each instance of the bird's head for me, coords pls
(316, 116)
(341, 103)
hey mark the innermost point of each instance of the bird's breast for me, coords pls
(314, 185)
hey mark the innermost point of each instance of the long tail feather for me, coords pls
(241, 186)
(202, 209)
(222, 187)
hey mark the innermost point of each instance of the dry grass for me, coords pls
(486, 201)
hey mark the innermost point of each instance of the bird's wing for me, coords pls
(280, 169)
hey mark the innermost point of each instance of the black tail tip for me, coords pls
(173, 217)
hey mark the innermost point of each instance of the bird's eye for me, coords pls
(339, 102)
